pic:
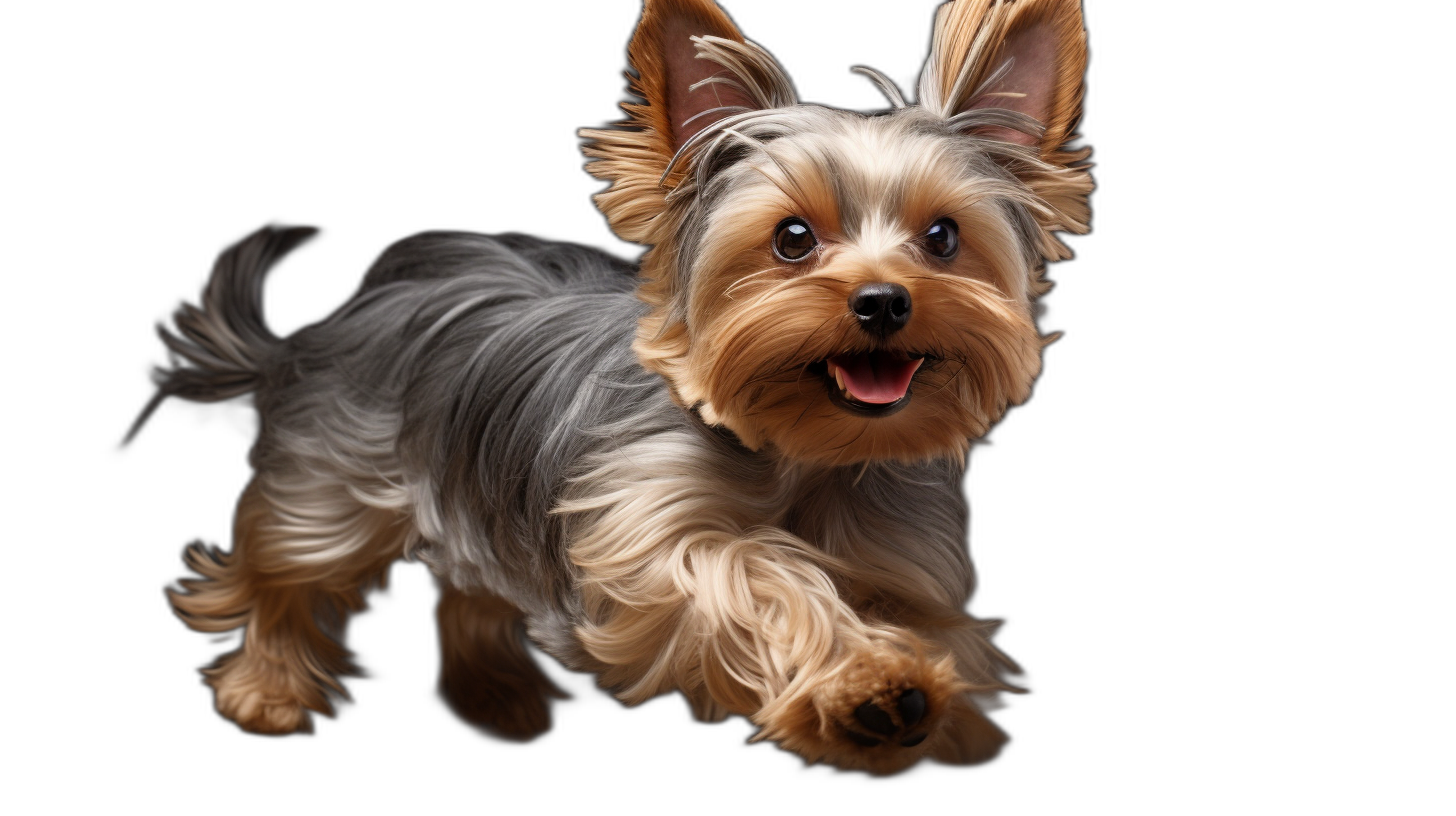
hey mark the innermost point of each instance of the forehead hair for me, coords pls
(860, 170)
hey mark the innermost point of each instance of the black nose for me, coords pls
(882, 308)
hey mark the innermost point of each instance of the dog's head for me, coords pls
(840, 286)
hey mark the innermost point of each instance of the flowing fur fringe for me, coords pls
(222, 344)
(477, 403)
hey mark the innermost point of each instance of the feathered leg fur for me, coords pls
(295, 573)
(685, 587)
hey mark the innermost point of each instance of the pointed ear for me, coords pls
(664, 59)
(1026, 56)
(684, 85)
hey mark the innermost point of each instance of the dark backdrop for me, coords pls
(376, 126)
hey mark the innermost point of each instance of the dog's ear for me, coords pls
(683, 84)
(669, 73)
(1027, 56)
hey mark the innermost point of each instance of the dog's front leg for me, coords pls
(681, 590)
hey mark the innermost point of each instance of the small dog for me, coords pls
(733, 471)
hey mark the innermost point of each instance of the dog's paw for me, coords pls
(255, 711)
(893, 717)
(877, 710)
(260, 698)
(504, 711)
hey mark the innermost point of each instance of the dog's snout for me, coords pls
(882, 308)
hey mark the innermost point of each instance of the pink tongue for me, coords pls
(875, 378)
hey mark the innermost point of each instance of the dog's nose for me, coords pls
(882, 308)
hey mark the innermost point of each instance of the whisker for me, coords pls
(752, 278)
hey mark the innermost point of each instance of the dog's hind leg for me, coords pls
(486, 674)
(304, 552)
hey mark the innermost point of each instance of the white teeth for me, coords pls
(838, 377)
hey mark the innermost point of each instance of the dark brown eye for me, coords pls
(942, 239)
(793, 240)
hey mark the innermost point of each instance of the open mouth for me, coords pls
(875, 383)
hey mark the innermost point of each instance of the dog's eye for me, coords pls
(942, 239)
(793, 241)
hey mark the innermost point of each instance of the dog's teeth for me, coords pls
(839, 378)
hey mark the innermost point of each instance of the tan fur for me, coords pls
(741, 290)
(972, 41)
(773, 585)
(687, 589)
(974, 38)
(760, 321)
(290, 581)
(634, 154)
(813, 720)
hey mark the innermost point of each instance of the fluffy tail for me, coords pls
(219, 348)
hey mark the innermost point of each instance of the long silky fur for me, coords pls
(482, 392)
(627, 462)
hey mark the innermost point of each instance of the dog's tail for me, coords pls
(219, 348)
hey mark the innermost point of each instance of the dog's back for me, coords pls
(440, 412)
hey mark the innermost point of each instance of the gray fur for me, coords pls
(474, 383)
(220, 338)
(498, 365)
(469, 384)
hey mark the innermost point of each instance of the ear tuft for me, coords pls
(689, 67)
(663, 58)
(1023, 56)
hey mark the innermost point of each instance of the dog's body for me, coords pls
(704, 475)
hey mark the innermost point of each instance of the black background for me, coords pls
(190, 134)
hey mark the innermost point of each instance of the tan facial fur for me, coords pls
(741, 336)
(758, 324)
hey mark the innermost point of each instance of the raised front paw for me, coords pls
(875, 710)
(892, 717)
(881, 706)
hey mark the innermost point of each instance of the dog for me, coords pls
(732, 470)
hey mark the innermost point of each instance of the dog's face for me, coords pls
(839, 286)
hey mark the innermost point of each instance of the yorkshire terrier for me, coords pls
(733, 470)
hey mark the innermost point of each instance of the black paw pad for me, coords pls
(874, 718)
(892, 721)
(912, 707)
